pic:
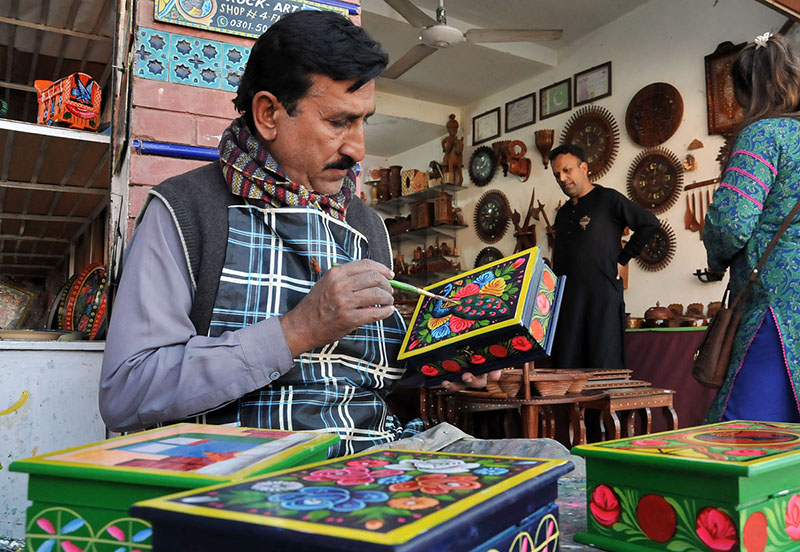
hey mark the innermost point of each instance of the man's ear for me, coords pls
(264, 108)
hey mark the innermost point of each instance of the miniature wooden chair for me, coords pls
(628, 401)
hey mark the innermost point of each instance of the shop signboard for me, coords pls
(248, 18)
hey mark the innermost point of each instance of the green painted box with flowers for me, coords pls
(80, 496)
(723, 487)
(502, 314)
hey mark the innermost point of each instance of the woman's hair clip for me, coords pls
(761, 40)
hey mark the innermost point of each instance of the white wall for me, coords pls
(662, 41)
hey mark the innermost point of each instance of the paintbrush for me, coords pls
(414, 289)
(401, 285)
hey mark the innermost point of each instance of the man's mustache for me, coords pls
(344, 164)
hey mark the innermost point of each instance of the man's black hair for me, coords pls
(302, 44)
(577, 151)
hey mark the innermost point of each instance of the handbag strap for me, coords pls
(757, 270)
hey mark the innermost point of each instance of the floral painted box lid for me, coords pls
(507, 316)
(182, 456)
(726, 486)
(382, 500)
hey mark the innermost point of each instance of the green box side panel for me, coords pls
(49, 526)
(723, 488)
(772, 525)
(629, 519)
(86, 492)
(632, 519)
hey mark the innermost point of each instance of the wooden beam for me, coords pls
(14, 237)
(34, 255)
(52, 188)
(42, 218)
(27, 266)
(16, 86)
(56, 30)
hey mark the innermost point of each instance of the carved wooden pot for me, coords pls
(395, 183)
(383, 185)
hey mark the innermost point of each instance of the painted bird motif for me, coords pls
(480, 299)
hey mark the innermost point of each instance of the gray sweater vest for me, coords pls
(199, 201)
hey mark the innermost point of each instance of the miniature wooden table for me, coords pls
(535, 411)
(628, 401)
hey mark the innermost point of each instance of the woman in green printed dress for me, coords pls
(759, 187)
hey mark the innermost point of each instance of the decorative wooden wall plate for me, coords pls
(86, 301)
(482, 165)
(654, 114)
(724, 112)
(595, 130)
(659, 250)
(655, 179)
(492, 216)
(487, 255)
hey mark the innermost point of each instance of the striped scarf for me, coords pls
(251, 172)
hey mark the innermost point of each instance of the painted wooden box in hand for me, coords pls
(386, 500)
(730, 486)
(81, 495)
(506, 315)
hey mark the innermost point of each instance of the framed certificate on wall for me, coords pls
(521, 112)
(593, 84)
(486, 126)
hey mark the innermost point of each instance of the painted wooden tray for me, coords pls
(726, 486)
(80, 496)
(86, 301)
(386, 500)
(507, 316)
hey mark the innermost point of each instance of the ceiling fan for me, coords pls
(437, 34)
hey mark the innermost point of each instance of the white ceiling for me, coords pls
(465, 73)
(387, 136)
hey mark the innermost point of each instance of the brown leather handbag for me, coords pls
(714, 354)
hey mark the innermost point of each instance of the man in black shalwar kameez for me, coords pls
(589, 252)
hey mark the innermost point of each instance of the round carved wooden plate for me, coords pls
(659, 250)
(655, 179)
(492, 216)
(595, 131)
(654, 114)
